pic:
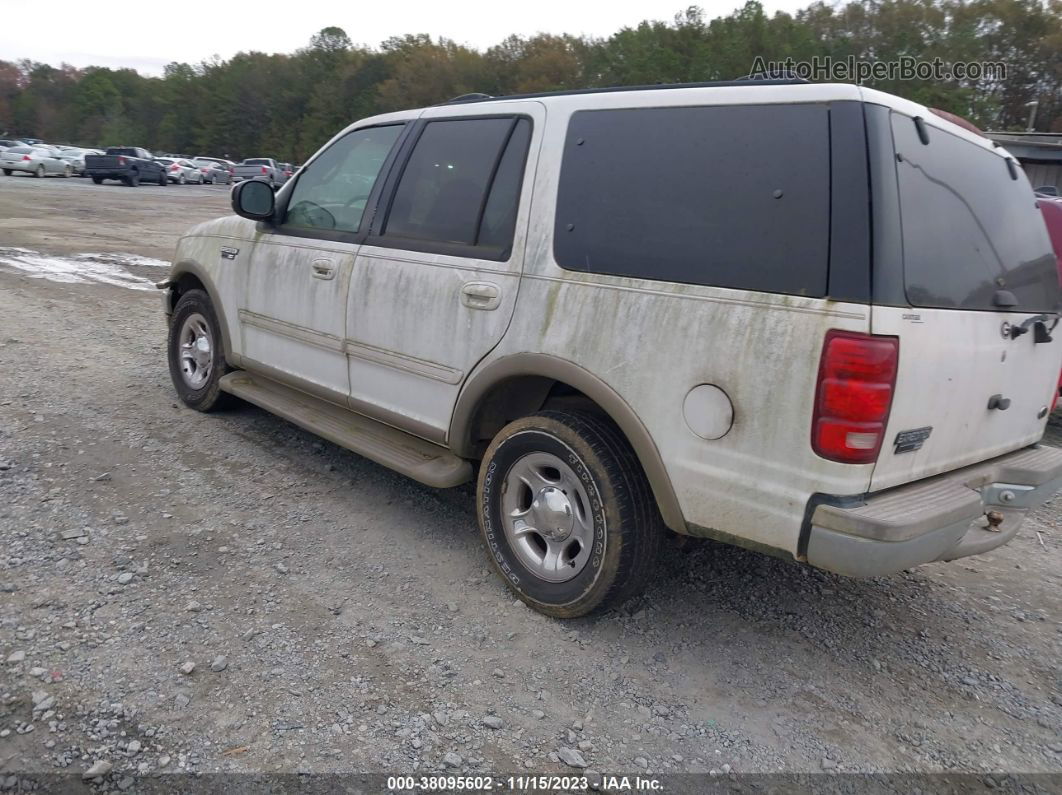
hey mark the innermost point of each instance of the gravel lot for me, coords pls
(181, 592)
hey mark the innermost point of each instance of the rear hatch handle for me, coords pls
(1038, 323)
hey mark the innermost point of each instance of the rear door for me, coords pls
(977, 264)
(435, 284)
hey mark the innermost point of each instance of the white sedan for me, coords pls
(35, 161)
(181, 171)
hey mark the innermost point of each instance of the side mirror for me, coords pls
(253, 199)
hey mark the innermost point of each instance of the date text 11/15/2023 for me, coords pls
(531, 783)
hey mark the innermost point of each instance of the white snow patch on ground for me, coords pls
(81, 268)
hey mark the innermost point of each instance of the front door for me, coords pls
(293, 317)
(435, 283)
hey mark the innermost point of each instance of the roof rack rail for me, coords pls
(774, 74)
(473, 97)
(744, 82)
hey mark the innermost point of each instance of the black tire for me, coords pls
(209, 396)
(162, 179)
(7, 172)
(39, 172)
(97, 180)
(133, 180)
(627, 528)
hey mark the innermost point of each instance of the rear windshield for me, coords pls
(121, 151)
(970, 228)
(729, 196)
(256, 162)
(20, 149)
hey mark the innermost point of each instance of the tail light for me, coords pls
(121, 160)
(26, 157)
(857, 378)
(265, 170)
(174, 167)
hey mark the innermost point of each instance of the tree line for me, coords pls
(287, 105)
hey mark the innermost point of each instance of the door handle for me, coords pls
(480, 295)
(323, 269)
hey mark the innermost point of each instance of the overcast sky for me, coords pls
(84, 34)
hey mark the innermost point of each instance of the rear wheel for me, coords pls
(67, 172)
(567, 514)
(194, 350)
(98, 180)
(7, 172)
(162, 179)
(39, 172)
(180, 179)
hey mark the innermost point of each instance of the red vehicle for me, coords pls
(1051, 207)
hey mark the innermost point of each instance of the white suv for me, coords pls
(815, 320)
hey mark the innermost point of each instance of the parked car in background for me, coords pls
(1051, 209)
(128, 164)
(76, 158)
(7, 143)
(214, 172)
(221, 161)
(285, 170)
(33, 160)
(634, 382)
(260, 168)
(181, 171)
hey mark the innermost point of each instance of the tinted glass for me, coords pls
(731, 196)
(331, 193)
(969, 228)
(499, 214)
(21, 149)
(445, 181)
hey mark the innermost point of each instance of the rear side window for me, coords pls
(254, 162)
(461, 186)
(969, 228)
(730, 196)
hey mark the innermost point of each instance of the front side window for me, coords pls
(461, 185)
(332, 191)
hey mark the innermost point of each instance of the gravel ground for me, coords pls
(229, 593)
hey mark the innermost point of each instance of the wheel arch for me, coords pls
(188, 275)
(521, 384)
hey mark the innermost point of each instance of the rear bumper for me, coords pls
(940, 518)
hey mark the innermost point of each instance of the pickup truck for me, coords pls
(265, 169)
(127, 164)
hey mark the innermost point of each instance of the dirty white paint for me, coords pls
(86, 268)
(387, 330)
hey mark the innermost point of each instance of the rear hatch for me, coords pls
(976, 265)
(102, 161)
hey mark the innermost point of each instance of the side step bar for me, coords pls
(429, 463)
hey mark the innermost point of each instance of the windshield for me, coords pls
(971, 227)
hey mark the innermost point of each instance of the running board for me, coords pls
(429, 463)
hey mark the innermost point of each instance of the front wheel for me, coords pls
(162, 179)
(567, 514)
(194, 350)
